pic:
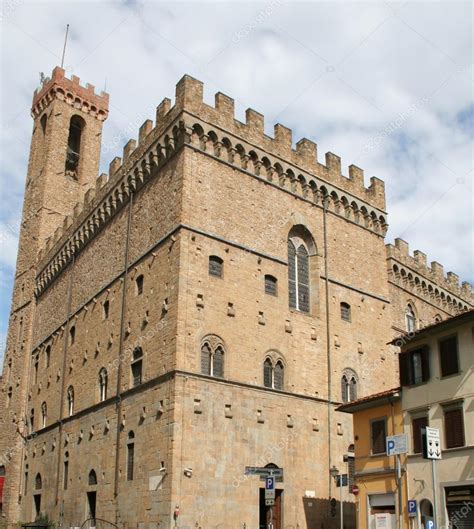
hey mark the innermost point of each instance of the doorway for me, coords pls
(270, 517)
(91, 506)
(37, 504)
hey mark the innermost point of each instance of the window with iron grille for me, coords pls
(137, 366)
(454, 427)
(268, 373)
(218, 362)
(378, 434)
(417, 425)
(271, 285)
(278, 373)
(345, 311)
(448, 356)
(216, 266)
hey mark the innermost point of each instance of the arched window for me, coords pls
(47, 356)
(106, 307)
(212, 356)
(273, 374)
(410, 319)
(66, 471)
(44, 414)
(92, 478)
(70, 401)
(72, 335)
(44, 122)
(32, 420)
(139, 282)
(137, 366)
(438, 318)
(345, 311)
(271, 283)
(348, 386)
(38, 482)
(130, 455)
(216, 266)
(102, 384)
(73, 154)
(35, 369)
(300, 247)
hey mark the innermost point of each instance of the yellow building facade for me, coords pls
(379, 480)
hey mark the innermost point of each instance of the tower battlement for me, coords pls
(430, 281)
(72, 92)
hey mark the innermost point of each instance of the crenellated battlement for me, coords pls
(177, 126)
(413, 273)
(70, 91)
(302, 158)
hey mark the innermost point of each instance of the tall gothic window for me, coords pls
(102, 384)
(348, 386)
(44, 414)
(300, 245)
(70, 401)
(273, 374)
(212, 356)
(410, 319)
(137, 366)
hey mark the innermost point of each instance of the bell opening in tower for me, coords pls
(73, 154)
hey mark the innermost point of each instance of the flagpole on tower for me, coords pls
(64, 49)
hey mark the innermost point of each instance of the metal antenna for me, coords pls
(64, 49)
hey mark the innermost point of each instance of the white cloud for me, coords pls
(339, 73)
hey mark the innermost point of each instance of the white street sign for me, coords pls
(433, 444)
(397, 444)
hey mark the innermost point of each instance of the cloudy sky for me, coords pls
(385, 85)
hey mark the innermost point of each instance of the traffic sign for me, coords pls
(431, 443)
(269, 502)
(430, 524)
(411, 508)
(269, 488)
(264, 471)
(397, 444)
(355, 490)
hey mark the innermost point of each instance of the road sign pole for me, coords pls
(341, 506)
(399, 486)
(435, 492)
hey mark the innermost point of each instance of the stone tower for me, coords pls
(63, 165)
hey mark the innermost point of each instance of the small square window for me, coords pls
(216, 266)
(271, 284)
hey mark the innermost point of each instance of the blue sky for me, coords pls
(385, 85)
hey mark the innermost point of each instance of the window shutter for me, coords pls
(418, 425)
(303, 279)
(425, 363)
(205, 359)
(291, 275)
(378, 437)
(267, 373)
(216, 266)
(404, 367)
(448, 356)
(270, 285)
(278, 376)
(454, 427)
(218, 363)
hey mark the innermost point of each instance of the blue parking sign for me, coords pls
(430, 524)
(411, 507)
(270, 483)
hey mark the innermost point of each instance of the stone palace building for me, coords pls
(202, 308)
